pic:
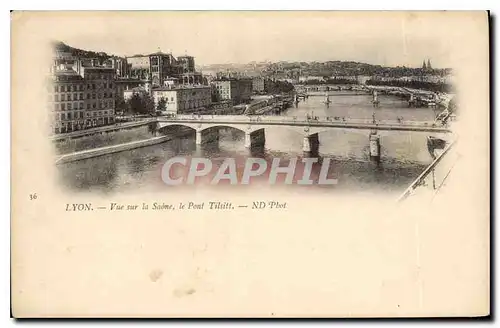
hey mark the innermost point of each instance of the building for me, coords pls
(258, 84)
(183, 98)
(66, 101)
(100, 94)
(121, 85)
(80, 100)
(237, 90)
(186, 63)
(162, 66)
(140, 67)
(191, 78)
(129, 93)
(121, 66)
(155, 67)
(159, 67)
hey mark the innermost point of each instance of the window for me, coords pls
(94, 105)
(81, 105)
(88, 95)
(69, 106)
(63, 116)
(105, 112)
(81, 114)
(88, 114)
(56, 106)
(110, 85)
(105, 95)
(93, 96)
(172, 99)
(63, 106)
(63, 97)
(94, 114)
(69, 116)
(56, 88)
(81, 96)
(93, 86)
(81, 87)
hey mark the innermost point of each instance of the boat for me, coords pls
(435, 145)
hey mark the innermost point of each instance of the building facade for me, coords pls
(122, 85)
(259, 84)
(158, 67)
(186, 63)
(140, 67)
(129, 93)
(183, 99)
(81, 100)
(237, 90)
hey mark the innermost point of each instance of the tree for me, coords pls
(148, 104)
(162, 105)
(120, 104)
(140, 104)
(134, 104)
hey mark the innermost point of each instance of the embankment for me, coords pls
(89, 153)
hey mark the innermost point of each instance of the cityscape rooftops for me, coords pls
(111, 69)
(136, 89)
(181, 87)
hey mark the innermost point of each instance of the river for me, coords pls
(404, 155)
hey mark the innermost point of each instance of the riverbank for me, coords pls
(89, 153)
(101, 129)
(102, 139)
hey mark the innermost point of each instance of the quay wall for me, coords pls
(90, 153)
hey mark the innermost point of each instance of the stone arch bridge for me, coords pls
(254, 126)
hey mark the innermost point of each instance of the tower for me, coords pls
(429, 64)
(423, 65)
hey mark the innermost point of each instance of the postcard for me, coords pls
(255, 164)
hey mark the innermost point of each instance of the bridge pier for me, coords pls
(375, 147)
(206, 136)
(255, 138)
(199, 138)
(311, 143)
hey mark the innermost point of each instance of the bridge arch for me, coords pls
(174, 127)
(241, 128)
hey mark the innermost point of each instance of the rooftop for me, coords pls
(181, 87)
(66, 72)
(137, 89)
(99, 68)
(125, 80)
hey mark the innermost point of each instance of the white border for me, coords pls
(493, 5)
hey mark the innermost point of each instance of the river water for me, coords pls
(404, 155)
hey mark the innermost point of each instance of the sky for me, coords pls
(385, 38)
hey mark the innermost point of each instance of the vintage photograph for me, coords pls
(383, 119)
(250, 164)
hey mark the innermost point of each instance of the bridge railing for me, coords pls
(293, 119)
(435, 175)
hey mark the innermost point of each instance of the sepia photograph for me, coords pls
(250, 163)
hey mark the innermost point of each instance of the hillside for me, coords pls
(63, 47)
